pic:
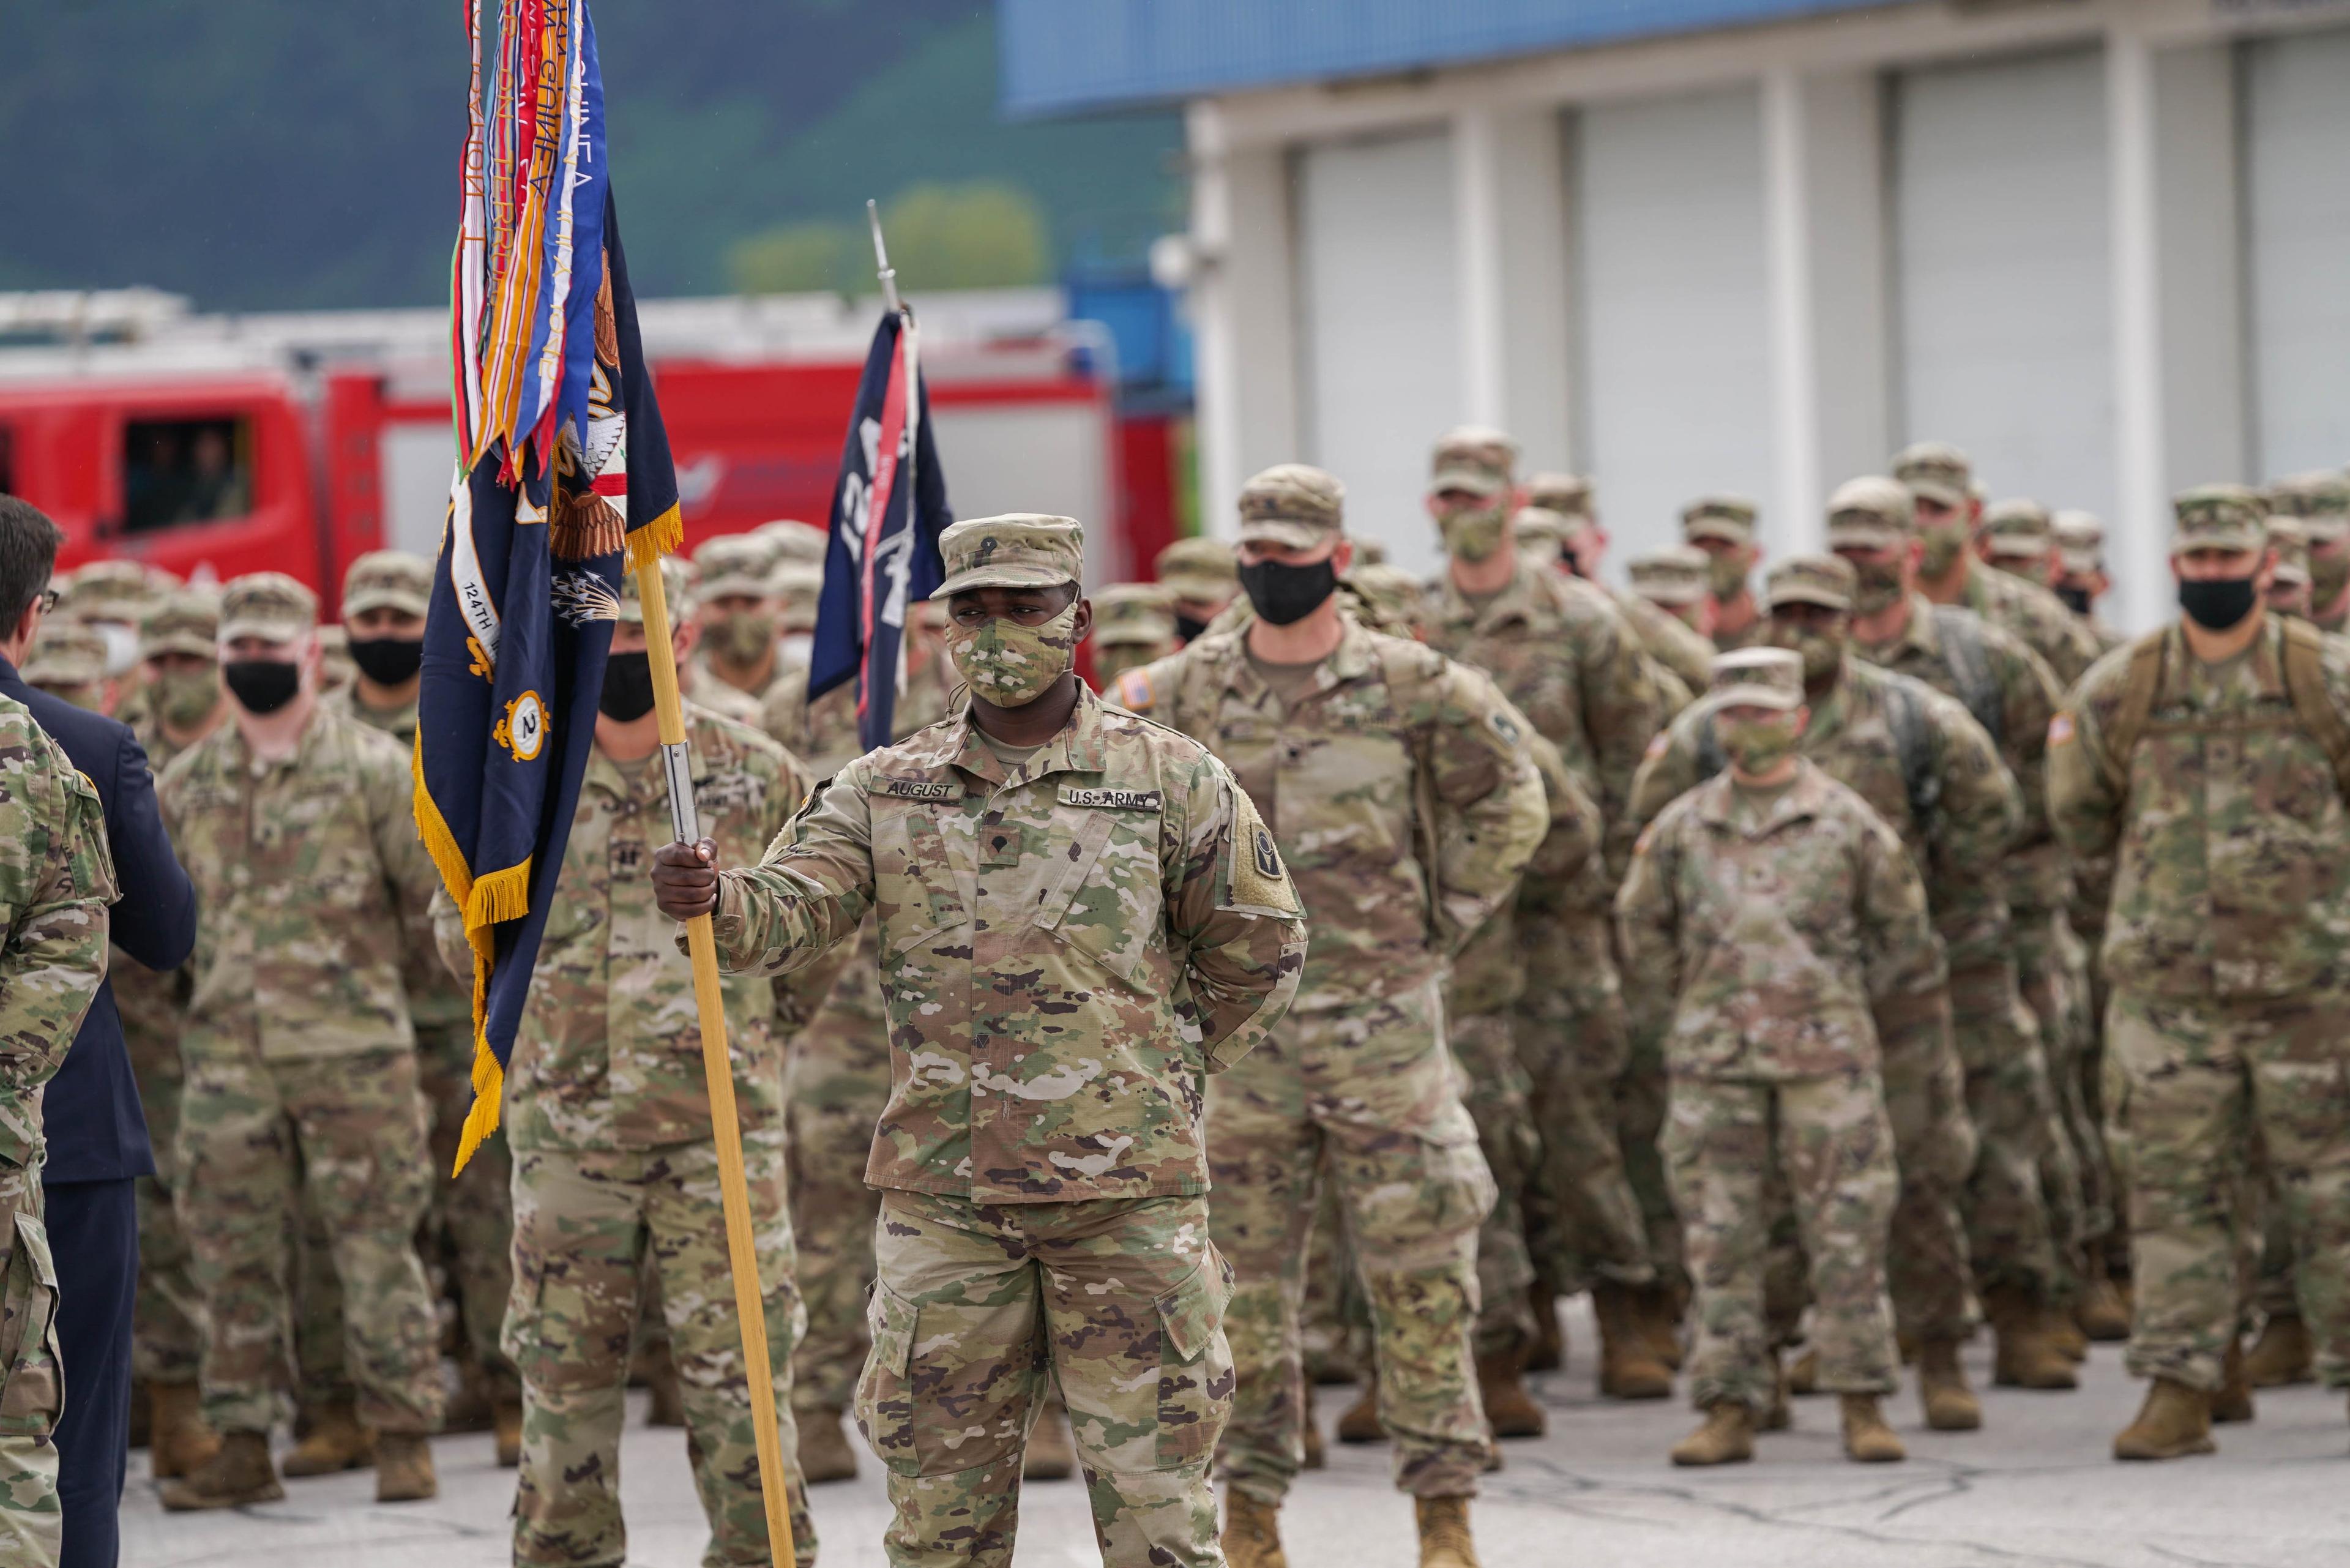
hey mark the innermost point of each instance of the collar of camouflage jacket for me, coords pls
(1350, 661)
(1078, 748)
(1522, 598)
(1717, 807)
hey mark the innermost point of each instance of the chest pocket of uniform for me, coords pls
(913, 879)
(1107, 904)
(343, 877)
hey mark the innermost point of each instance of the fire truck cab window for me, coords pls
(185, 471)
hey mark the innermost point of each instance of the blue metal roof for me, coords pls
(1061, 56)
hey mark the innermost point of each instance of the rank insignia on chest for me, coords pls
(917, 789)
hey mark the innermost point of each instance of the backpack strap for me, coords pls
(2139, 687)
(1710, 758)
(1913, 739)
(2304, 682)
(1969, 661)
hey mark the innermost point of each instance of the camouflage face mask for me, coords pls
(1474, 534)
(2328, 576)
(1757, 745)
(742, 636)
(1944, 540)
(1725, 574)
(1821, 650)
(1880, 587)
(185, 697)
(1009, 664)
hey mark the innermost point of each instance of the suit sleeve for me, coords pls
(156, 921)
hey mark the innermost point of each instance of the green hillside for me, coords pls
(260, 154)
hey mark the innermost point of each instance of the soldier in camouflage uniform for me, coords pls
(740, 618)
(615, 1167)
(312, 893)
(1675, 581)
(69, 660)
(469, 1224)
(838, 1083)
(2019, 539)
(178, 702)
(1402, 791)
(2320, 501)
(2081, 579)
(110, 597)
(1783, 926)
(1928, 769)
(1671, 644)
(1200, 573)
(57, 879)
(1723, 527)
(1076, 913)
(1950, 526)
(2007, 689)
(1560, 652)
(795, 542)
(2212, 758)
(2288, 591)
(1134, 624)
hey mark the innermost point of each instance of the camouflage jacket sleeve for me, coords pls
(1573, 836)
(1668, 771)
(449, 938)
(1622, 711)
(2084, 802)
(1902, 955)
(409, 873)
(807, 895)
(1976, 816)
(57, 879)
(1647, 925)
(1491, 808)
(1230, 902)
(2030, 696)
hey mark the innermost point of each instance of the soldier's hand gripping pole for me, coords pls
(701, 945)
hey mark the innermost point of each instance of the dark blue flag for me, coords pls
(888, 511)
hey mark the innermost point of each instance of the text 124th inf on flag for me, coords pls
(564, 481)
(888, 511)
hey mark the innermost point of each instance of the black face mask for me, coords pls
(1189, 629)
(261, 685)
(1283, 594)
(2075, 600)
(2216, 604)
(627, 691)
(387, 660)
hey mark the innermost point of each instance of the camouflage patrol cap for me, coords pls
(2289, 538)
(1542, 534)
(2080, 540)
(1758, 677)
(1673, 577)
(799, 588)
(677, 591)
(109, 591)
(187, 621)
(735, 564)
(2018, 529)
(1293, 507)
(795, 540)
(1935, 470)
(387, 579)
(1568, 494)
(2219, 517)
(1130, 613)
(1871, 513)
(66, 653)
(1199, 569)
(2320, 499)
(270, 606)
(1016, 550)
(1730, 517)
(1474, 457)
(1827, 581)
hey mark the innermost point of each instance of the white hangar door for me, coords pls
(2296, 120)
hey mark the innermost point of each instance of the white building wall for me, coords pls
(1668, 229)
(1379, 295)
(2000, 201)
(2296, 119)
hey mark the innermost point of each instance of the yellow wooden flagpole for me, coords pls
(717, 1068)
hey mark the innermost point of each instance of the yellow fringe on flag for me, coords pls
(503, 895)
(438, 842)
(489, 1078)
(660, 537)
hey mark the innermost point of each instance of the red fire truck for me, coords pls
(216, 445)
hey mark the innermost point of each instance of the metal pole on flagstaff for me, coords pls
(881, 258)
(718, 1071)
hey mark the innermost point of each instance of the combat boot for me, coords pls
(239, 1473)
(2233, 1402)
(825, 1452)
(403, 1469)
(1252, 1535)
(1509, 1410)
(1444, 1540)
(180, 1441)
(2282, 1355)
(2064, 1333)
(2102, 1314)
(1549, 1353)
(505, 1422)
(334, 1441)
(1804, 1379)
(1661, 1321)
(2025, 1357)
(1628, 1367)
(1951, 1406)
(2174, 1421)
(1049, 1456)
(1314, 1459)
(1779, 1415)
(1726, 1438)
(1866, 1438)
(1359, 1422)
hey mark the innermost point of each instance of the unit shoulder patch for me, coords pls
(1259, 877)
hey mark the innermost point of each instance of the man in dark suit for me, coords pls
(90, 1118)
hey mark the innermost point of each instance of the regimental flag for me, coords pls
(888, 511)
(564, 482)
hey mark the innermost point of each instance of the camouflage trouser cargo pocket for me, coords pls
(1193, 1392)
(32, 1379)
(885, 1393)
